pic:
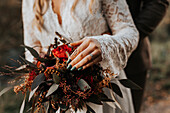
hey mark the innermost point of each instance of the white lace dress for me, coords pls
(106, 15)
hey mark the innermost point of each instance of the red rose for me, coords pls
(60, 51)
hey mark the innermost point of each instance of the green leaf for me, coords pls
(28, 62)
(32, 51)
(21, 69)
(83, 85)
(23, 105)
(56, 78)
(89, 109)
(129, 84)
(116, 89)
(94, 99)
(113, 97)
(32, 93)
(117, 103)
(52, 89)
(5, 90)
(105, 98)
(38, 80)
(47, 106)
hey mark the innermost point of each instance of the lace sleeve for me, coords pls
(30, 38)
(116, 48)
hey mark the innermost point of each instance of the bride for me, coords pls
(85, 23)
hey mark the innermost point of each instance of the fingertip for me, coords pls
(76, 43)
(80, 68)
(83, 68)
(68, 61)
(73, 68)
(69, 67)
(71, 44)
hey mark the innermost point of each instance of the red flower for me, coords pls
(60, 51)
(32, 75)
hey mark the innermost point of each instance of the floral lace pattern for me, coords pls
(117, 48)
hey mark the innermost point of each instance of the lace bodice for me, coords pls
(106, 15)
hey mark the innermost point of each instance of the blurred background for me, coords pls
(157, 95)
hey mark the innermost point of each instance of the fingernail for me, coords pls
(72, 69)
(80, 68)
(68, 61)
(69, 67)
(70, 46)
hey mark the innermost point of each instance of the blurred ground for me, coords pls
(157, 95)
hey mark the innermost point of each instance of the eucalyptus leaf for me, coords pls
(32, 51)
(32, 93)
(94, 99)
(48, 106)
(21, 67)
(105, 98)
(116, 89)
(105, 89)
(38, 80)
(52, 89)
(89, 109)
(83, 85)
(129, 84)
(5, 90)
(23, 105)
(28, 62)
(21, 71)
(117, 103)
(56, 78)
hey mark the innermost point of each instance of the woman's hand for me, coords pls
(88, 52)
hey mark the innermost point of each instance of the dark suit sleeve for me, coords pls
(150, 16)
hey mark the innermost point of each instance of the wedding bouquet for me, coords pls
(52, 86)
